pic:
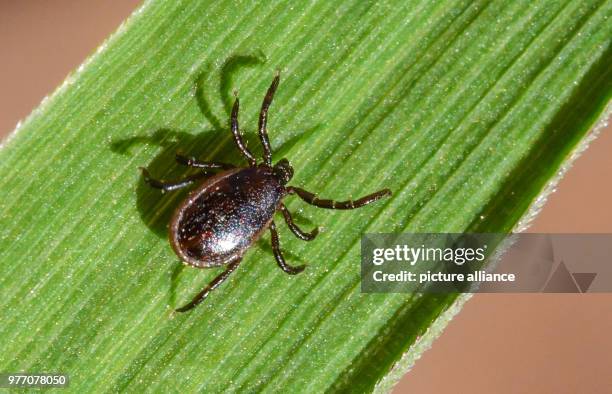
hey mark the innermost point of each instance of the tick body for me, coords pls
(219, 220)
(230, 210)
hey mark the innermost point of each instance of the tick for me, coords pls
(229, 211)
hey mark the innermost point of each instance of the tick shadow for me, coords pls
(229, 69)
(156, 208)
(227, 72)
(214, 144)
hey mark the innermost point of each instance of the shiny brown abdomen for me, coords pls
(220, 219)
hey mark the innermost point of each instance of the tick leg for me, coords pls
(193, 162)
(211, 286)
(238, 138)
(294, 228)
(291, 270)
(311, 199)
(263, 120)
(169, 186)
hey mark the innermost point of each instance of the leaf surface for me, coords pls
(464, 109)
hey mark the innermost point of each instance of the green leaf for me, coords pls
(466, 110)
